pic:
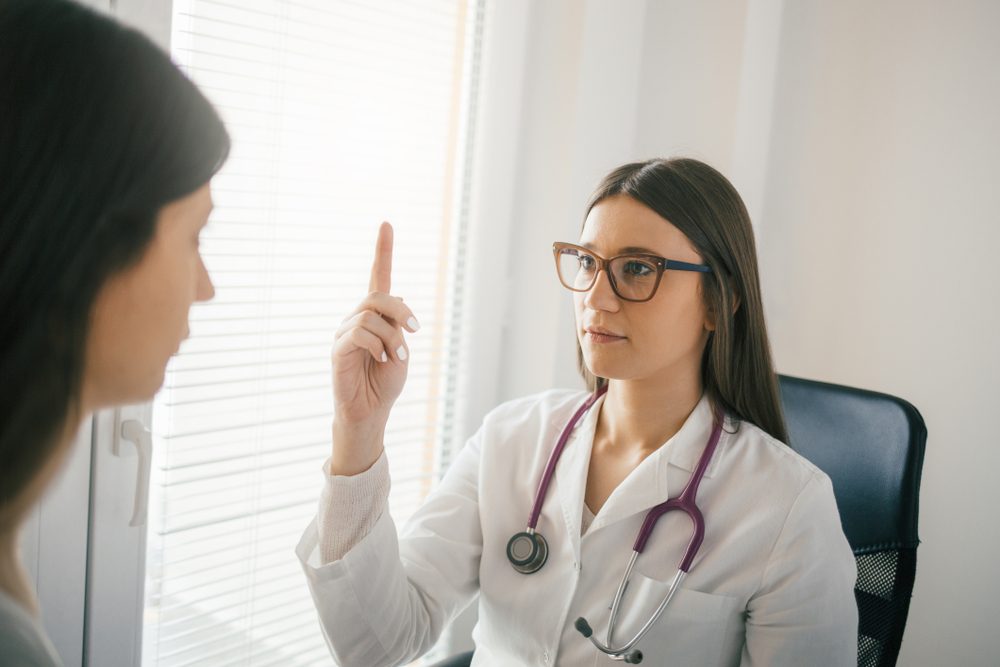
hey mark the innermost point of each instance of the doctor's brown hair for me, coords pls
(737, 372)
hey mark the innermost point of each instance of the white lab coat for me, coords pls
(772, 586)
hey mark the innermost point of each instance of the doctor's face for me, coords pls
(140, 316)
(663, 337)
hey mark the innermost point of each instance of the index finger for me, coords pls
(381, 280)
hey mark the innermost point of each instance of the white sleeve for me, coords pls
(804, 612)
(349, 507)
(387, 599)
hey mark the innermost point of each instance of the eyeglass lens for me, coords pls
(632, 277)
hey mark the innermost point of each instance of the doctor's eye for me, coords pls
(587, 262)
(637, 269)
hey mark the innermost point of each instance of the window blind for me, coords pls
(343, 114)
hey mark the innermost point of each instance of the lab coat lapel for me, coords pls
(650, 483)
(571, 474)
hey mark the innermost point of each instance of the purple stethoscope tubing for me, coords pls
(543, 485)
(685, 502)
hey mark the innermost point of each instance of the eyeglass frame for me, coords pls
(662, 264)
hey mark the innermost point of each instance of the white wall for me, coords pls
(580, 95)
(878, 248)
(864, 138)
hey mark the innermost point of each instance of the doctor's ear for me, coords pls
(711, 315)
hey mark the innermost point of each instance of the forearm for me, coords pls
(378, 607)
(364, 600)
(349, 507)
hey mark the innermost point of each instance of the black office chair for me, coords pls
(872, 447)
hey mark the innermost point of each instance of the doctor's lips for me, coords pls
(602, 335)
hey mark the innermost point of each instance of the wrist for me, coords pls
(356, 447)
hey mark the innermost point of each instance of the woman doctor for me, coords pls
(673, 346)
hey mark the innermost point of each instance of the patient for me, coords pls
(106, 154)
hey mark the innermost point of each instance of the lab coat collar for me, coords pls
(647, 485)
(685, 448)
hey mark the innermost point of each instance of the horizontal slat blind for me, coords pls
(343, 113)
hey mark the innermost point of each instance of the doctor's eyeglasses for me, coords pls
(632, 277)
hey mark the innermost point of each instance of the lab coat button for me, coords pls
(545, 657)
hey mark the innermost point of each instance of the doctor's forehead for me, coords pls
(621, 225)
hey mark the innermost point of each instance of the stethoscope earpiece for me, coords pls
(527, 552)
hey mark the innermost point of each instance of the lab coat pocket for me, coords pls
(695, 628)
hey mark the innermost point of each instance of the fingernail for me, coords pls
(401, 353)
(412, 323)
(385, 357)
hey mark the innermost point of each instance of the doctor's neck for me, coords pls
(643, 414)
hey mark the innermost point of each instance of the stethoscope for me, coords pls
(528, 550)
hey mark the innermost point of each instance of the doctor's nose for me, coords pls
(601, 296)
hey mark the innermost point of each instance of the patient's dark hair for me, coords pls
(737, 372)
(98, 131)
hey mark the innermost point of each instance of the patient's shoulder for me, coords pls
(21, 638)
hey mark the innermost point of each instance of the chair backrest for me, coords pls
(872, 447)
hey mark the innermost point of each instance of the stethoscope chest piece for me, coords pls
(527, 551)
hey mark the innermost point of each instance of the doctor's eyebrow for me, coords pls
(626, 250)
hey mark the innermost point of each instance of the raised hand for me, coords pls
(369, 361)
